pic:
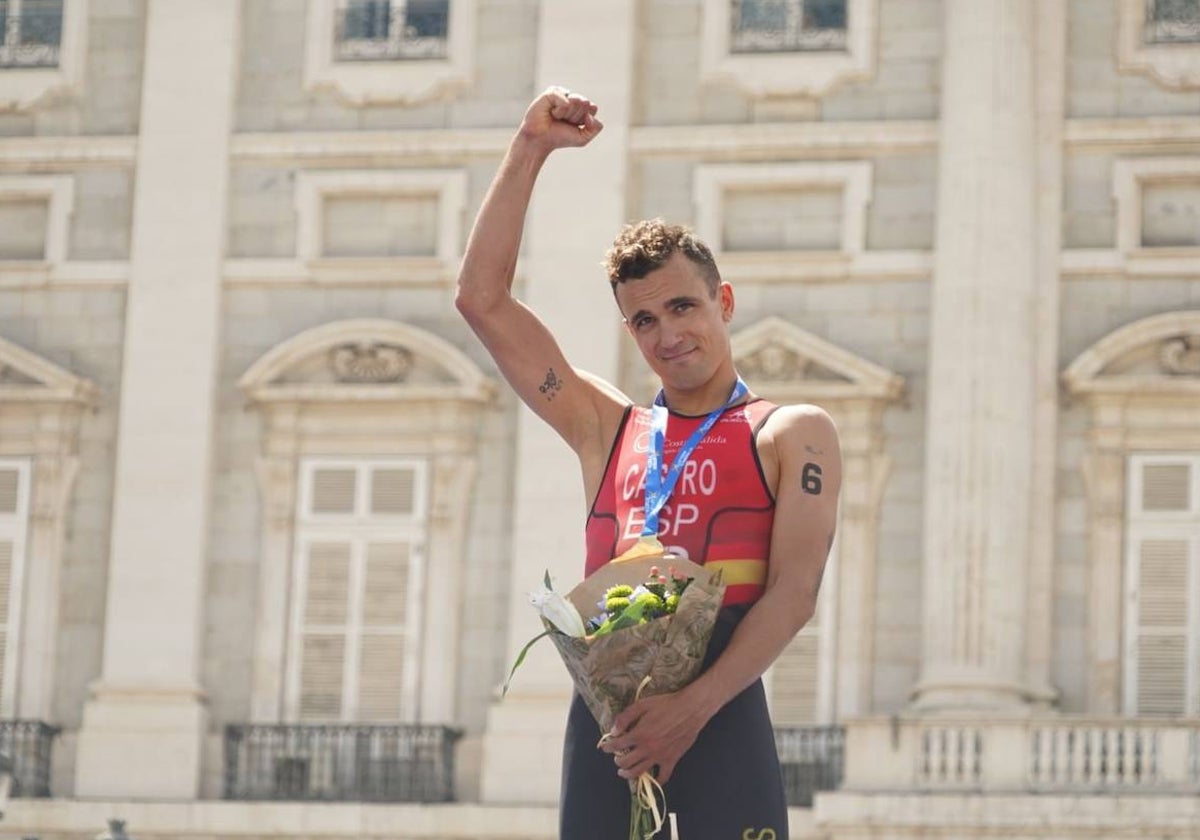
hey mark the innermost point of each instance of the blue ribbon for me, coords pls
(658, 486)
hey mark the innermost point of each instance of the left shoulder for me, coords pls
(791, 425)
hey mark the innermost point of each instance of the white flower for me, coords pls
(558, 611)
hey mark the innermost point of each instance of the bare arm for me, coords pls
(658, 730)
(577, 407)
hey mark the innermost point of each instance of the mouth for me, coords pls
(675, 357)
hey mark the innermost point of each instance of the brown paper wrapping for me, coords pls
(608, 670)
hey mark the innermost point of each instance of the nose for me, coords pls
(669, 337)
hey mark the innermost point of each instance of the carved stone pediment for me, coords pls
(28, 378)
(364, 360)
(789, 363)
(1156, 355)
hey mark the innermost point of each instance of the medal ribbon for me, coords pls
(659, 486)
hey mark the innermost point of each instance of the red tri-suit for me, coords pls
(728, 784)
(720, 512)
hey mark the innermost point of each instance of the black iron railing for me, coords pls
(30, 33)
(27, 744)
(812, 758)
(340, 763)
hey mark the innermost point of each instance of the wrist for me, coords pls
(528, 148)
(705, 697)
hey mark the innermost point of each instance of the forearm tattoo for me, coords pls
(552, 385)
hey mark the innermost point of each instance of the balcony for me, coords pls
(811, 759)
(28, 744)
(30, 33)
(340, 763)
(1032, 754)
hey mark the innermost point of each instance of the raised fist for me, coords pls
(560, 118)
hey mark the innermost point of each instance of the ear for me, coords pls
(725, 292)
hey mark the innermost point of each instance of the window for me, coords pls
(1162, 586)
(383, 30)
(1172, 21)
(357, 591)
(14, 521)
(800, 682)
(32, 33)
(787, 25)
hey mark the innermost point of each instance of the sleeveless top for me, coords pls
(721, 512)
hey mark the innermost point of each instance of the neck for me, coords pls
(701, 400)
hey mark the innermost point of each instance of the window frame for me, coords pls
(1173, 64)
(1144, 525)
(358, 529)
(807, 73)
(22, 88)
(395, 81)
(16, 527)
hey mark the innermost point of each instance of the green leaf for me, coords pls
(546, 580)
(628, 617)
(521, 658)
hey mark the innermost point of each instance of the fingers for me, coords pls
(572, 108)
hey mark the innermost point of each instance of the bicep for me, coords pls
(532, 362)
(806, 503)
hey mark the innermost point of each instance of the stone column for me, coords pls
(579, 203)
(145, 721)
(979, 457)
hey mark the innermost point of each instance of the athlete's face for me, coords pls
(680, 327)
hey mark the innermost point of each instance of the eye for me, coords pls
(683, 306)
(641, 321)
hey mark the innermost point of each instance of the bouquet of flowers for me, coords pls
(647, 633)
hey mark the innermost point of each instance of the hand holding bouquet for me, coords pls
(647, 634)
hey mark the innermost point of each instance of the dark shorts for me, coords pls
(726, 787)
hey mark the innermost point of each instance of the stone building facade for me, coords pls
(268, 514)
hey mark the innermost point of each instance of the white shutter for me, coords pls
(1166, 487)
(381, 689)
(14, 522)
(393, 491)
(333, 490)
(794, 678)
(1162, 626)
(323, 630)
(1162, 621)
(354, 652)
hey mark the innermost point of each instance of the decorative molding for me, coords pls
(23, 154)
(711, 181)
(446, 373)
(363, 83)
(1172, 65)
(59, 194)
(1136, 405)
(1181, 356)
(433, 412)
(1129, 177)
(787, 365)
(371, 148)
(1155, 357)
(797, 366)
(810, 74)
(313, 188)
(23, 88)
(28, 378)
(41, 411)
(757, 141)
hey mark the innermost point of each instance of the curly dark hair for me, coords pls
(642, 247)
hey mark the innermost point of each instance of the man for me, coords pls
(757, 497)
